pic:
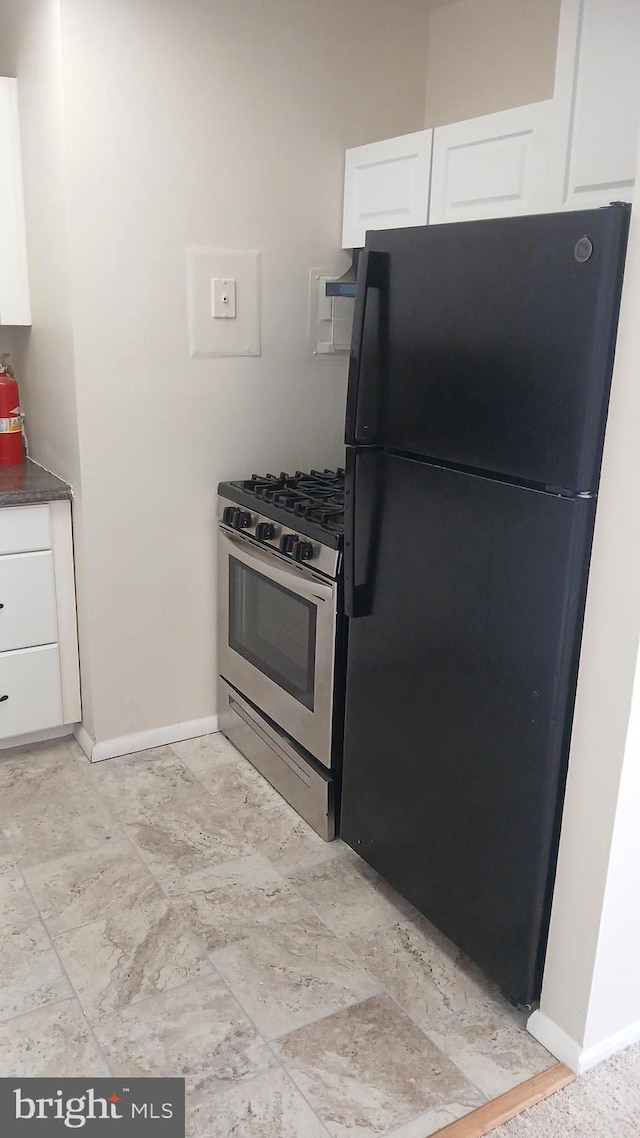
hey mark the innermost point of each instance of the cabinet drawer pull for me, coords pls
(3, 697)
(1, 606)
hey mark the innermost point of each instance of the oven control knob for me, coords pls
(288, 541)
(265, 531)
(302, 551)
(241, 519)
(227, 515)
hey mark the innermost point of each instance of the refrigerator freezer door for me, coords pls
(489, 344)
(459, 677)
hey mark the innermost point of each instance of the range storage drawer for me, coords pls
(30, 695)
(27, 600)
(24, 528)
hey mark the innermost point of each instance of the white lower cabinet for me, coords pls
(39, 673)
(491, 166)
(25, 528)
(30, 691)
(27, 600)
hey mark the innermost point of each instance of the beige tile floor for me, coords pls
(168, 914)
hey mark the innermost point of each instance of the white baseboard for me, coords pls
(555, 1039)
(84, 739)
(36, 737)
(567, 1050)
(143, 740)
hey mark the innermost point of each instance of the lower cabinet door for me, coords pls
(27, 600)
(30, 695)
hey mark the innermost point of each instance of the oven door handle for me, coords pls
(288, 578)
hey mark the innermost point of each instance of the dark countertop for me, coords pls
(26, 483)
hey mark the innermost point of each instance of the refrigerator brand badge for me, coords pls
(582, 250)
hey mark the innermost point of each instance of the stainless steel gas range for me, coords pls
(281, 633)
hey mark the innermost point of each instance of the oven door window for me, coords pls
(274, 629)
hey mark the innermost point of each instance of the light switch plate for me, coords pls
(208, 335)
(223, 299)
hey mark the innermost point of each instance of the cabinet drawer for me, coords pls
(23, 528)
(30, 679)
(27, 600)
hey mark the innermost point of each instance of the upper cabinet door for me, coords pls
(14, 288)
(596, 119)
(386, 186)
(491, 166)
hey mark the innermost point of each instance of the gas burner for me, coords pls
(328, 516)
(260, 484)
(315, 490)
(312, 500)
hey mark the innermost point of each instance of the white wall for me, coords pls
(43, 357)
(614, 1005)
(7, 67)
(8, 32)
(31, 45)
(591, 991)
(207, 124)
(46, 351)
(6, 340)
(488, 55)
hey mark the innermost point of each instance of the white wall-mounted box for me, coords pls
(330, 317)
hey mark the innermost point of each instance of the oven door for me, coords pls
(277, 639)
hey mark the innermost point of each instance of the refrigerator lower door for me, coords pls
(460, 686)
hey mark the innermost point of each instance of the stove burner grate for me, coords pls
(317, 495)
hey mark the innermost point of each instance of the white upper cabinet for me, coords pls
(596, 120)
(575, 151)
(491, 166)
(386, 186)
(14, 288)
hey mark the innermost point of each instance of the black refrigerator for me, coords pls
(478, 390)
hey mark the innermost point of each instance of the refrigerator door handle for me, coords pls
(372, 273)
(363, 470)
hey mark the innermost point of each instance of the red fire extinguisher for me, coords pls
(11, 417)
